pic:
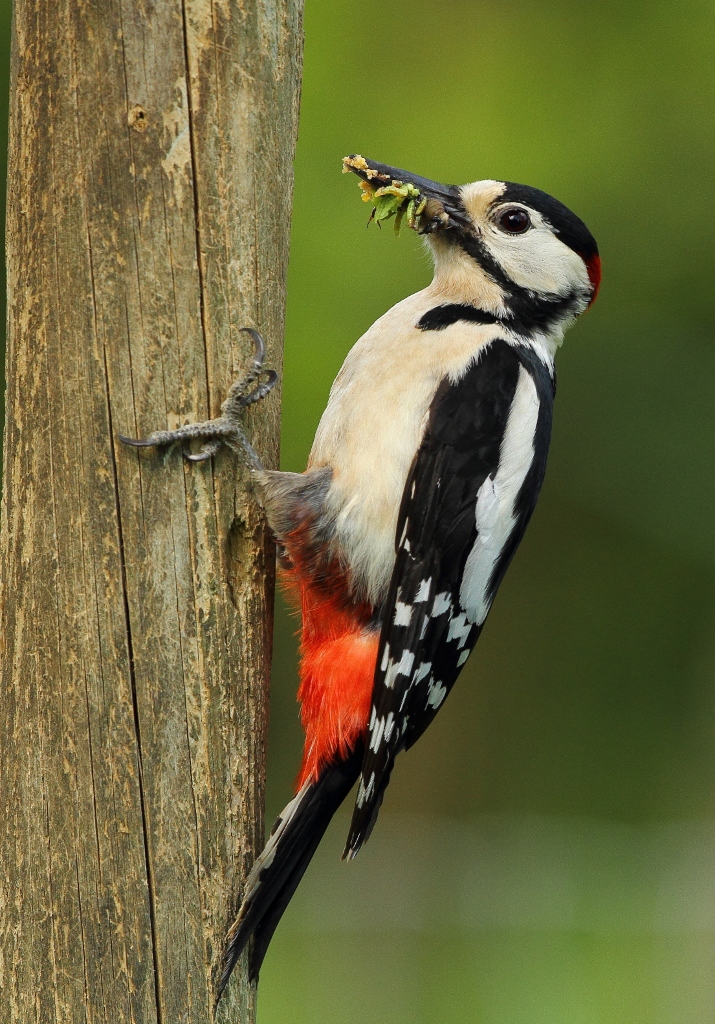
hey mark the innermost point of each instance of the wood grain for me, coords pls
(150, 189)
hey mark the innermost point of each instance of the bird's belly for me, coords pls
(371, 454)
(372, 427)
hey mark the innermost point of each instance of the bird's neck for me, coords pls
(458, 278)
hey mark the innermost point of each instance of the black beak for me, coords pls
(444, 210)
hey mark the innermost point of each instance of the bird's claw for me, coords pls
(226, 428)
(207, 452)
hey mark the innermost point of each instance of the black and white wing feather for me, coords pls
(470, 493)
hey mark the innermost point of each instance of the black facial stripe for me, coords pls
(570, 229)
(528, 312)
(440, 317)
(475, 247)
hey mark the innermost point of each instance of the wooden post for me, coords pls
(150, 188)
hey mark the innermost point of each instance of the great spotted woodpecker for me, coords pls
(423, 475)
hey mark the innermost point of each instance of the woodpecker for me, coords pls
(425, 470)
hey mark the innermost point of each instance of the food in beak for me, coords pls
(392, 197)
(396, 199)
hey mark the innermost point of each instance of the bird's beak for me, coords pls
(444, 207)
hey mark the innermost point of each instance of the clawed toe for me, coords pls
(136, 442)
(248, 390)
(226, 429)
(261, 390)
(207, 452)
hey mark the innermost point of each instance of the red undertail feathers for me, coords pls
(338, 653)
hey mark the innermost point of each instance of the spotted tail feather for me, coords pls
(280, 867)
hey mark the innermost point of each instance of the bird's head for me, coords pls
(508, 248)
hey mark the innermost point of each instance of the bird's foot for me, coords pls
(226, 428)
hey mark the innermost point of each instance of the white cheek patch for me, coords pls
(538, 260)
(496, 501)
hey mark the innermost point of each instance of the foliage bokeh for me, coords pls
(547, 852)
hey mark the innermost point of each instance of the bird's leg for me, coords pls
(226, 429)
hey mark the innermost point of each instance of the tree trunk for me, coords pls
(150, 187)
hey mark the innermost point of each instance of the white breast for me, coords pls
(372, 426)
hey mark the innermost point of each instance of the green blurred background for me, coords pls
(546, 854)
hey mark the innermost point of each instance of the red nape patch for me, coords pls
(593, 266)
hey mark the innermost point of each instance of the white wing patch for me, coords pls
(459, 630)
(497, 498)
(422, 672)
(403, 614)
(401, 668)
(365, 792)
(436, 693)
(442, 604)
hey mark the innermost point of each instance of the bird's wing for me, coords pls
(468, 498)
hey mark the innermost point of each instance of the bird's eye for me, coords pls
(516, 221)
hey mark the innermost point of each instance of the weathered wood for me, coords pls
(150, 187)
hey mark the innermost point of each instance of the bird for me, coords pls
(425, 470)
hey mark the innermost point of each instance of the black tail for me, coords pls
(278, 870)
(367, 808)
